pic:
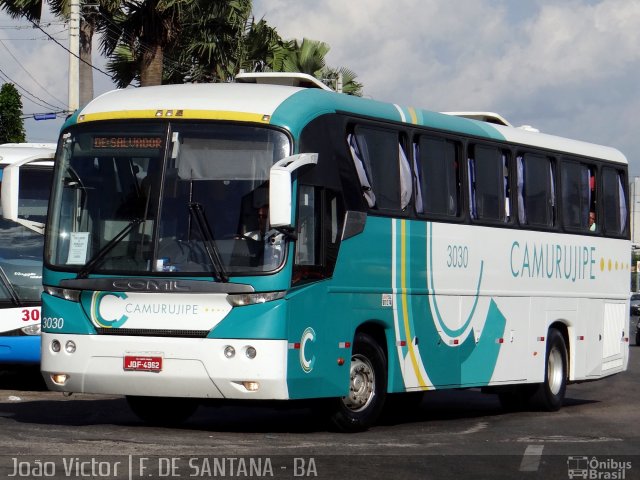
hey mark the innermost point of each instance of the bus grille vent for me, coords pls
(143, 332)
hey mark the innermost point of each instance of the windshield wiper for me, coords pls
(209, 242)
(102, 253)
(4, 279)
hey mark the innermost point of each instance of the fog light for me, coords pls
(70, 346)
(250, 352)
(55, 346)
(251, 386)
(59, 378)
(229, 351)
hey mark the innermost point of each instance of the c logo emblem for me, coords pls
(97, 316)
(307, 336)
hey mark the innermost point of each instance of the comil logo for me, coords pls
(596, 468)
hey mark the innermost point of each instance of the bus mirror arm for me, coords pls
(280, 190)
(288, 232)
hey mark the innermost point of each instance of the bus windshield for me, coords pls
(20, 264)
(20, 246)
(161, 197)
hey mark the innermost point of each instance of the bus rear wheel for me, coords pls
(162, 411)
(359, 410)
(549, 394)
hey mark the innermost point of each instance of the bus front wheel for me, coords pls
(361, 407)
(549, 394)
(162, 411)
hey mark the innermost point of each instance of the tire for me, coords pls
(360, 409)
(162, 411)
(549, 395)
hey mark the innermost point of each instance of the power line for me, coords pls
(16, 39)
(69, 51)
(44, 102)
(31, 76)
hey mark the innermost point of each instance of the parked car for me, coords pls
(638, 333)
(634, 304)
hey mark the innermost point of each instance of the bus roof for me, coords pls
(14, 152)
(294, 107)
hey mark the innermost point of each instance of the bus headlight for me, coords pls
(55, 346)
(65, 293)
(250, 352)
(242, 299)
(70, 346)
(31, 329)
(229, 351)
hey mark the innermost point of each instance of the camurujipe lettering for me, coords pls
(553, 261)
(162, 308)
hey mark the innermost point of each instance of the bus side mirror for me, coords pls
(10, 192)
(280, 188)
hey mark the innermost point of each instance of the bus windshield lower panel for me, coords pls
(124, 197)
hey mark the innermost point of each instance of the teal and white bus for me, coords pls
(25, 172)
(260, 241)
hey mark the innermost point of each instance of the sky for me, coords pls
(568, 68)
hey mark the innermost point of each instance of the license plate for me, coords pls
(143, 363)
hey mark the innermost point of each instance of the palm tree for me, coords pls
(306, 57)
(341, 79)
(172, 41)
(263, 49)
(144, 28)
(212, 44)
(309, 57)
(32, 10)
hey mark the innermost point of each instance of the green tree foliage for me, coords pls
(11, 125)
(309, 57)
(150, 42)
(204, 41)
(173, 41)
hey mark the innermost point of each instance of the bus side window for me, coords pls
(487, 189)
(308, 218)
(536, 196)
(382, 166)
(320, 217)
(578, 196)
(437, 175)
(614, 201)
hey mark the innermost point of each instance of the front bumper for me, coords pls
(190, 367)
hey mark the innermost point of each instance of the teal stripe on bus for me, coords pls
(302, 107)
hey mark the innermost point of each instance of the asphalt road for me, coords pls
(454, 434)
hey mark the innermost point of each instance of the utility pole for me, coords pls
(74, 54)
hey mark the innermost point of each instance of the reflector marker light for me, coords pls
(580, 337)
(500, 340)
(401, 343)
(344, 345)
(455, 341)
(541, 339)
(294, 346)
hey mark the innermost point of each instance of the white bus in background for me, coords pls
(28, 166)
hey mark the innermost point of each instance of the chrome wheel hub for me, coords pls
(361, 384)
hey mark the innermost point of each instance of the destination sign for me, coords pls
(127, 142)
